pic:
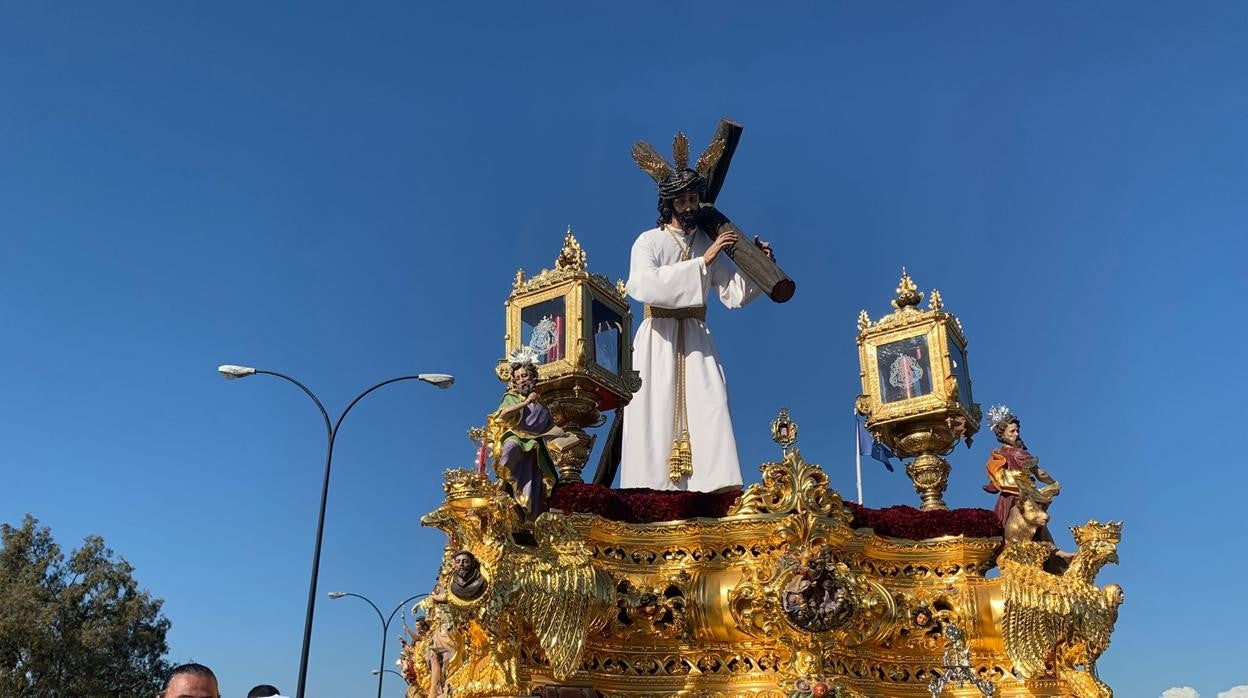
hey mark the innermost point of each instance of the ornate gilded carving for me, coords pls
(572, 263)
(551, 590)
(779, 593)
(784, 430)
(1064, 619)
(652, 607)
(908, 294)
(792, 486)
(572, 256)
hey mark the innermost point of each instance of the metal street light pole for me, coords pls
(381, 669)
(231, 372)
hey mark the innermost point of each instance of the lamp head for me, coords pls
(231, 372)
(440, 380)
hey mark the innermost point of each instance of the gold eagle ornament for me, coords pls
(1066, 618)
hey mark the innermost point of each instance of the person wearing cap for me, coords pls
(677, 431)
(265, 690)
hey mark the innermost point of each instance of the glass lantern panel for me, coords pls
(904, 368)
(544, 329)
(608, 337)
(957, 365)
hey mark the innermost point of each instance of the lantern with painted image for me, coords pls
(916, 390)
(580, 326)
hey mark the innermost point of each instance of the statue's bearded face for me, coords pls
(1011, 436)
(465, 566)
(685, 205)
(523, 380)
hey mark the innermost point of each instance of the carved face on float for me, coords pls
(523, 379)
(465, 564)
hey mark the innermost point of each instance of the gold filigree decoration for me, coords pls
(864, 320)
(655, 165)
(806, 600)
(935, 302)
(714, 151)
(680, 151)
(551, 590)
(908, 294)
(572, 256)
(1063, 619)
(651, 606)
(649, 160)
(784, 430)
(791, 486)
(572, 263)
(465, 484)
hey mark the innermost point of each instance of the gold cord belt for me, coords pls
(680, 459)
(697, 312)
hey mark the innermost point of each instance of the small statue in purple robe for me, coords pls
(524, 462)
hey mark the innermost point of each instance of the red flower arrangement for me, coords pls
(641, 505)
(907, 522)
(649, 506)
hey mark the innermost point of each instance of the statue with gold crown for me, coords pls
(782, 590)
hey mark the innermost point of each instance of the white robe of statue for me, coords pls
(657, 276)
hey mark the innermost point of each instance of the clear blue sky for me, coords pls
(343, 193)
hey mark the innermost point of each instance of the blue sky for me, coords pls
(344, 193)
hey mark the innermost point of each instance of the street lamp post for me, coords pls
(375, 672)
(380, 671)
(231, 372)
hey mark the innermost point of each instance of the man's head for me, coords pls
(523, 378)
(191, 681)
(680, 195)
(1008, 432)
(465, 564)
(264, 690)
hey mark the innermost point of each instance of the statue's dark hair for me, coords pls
(999, 427)
(675, 185)
(531, 367)
(666, 211)
(264, 690)
(190, 668)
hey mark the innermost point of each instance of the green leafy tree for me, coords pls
(75, 627)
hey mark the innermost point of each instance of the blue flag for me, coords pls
(868, 446)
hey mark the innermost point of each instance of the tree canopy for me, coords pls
(75, 626)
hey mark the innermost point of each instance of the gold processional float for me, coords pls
(790, 592)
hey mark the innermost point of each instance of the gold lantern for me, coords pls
(916, 390)
(580, 326)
